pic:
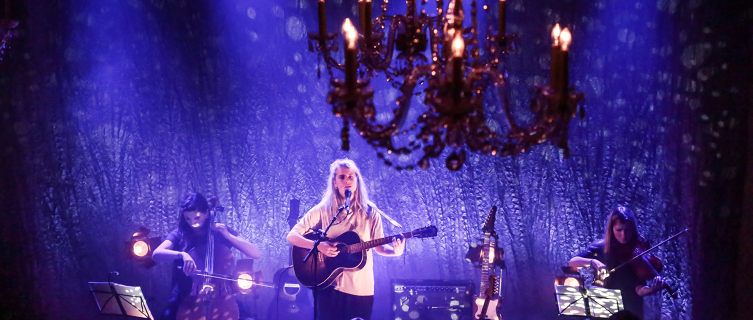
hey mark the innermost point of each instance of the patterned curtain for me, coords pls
(114, 110)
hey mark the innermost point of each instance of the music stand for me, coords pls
(118, 299)
(587, 301)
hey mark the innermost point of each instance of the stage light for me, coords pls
(567, 281)
(247, 278)
(475, 255)
(245, 281)
(139, 248)
(572, 282)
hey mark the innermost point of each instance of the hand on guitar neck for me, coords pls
(348, 253)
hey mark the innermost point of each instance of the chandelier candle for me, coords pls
(362, 15)
(564, 82)
(367, 22)
(502, 18)
(322, 23)
(458, 46)
(351, 56)
(554, 75)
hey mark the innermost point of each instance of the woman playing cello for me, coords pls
(191, 233)
(621, 239)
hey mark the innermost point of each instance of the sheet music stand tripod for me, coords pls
(118, 299)
(588, 301)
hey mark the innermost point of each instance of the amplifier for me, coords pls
(432, 299)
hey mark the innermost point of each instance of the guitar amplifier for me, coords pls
(432, 299)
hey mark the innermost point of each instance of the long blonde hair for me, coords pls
(332, 200)
(623, 215)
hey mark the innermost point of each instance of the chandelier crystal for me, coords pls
(456, 80)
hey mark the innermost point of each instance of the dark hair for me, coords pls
(193, 202)
(623, 215)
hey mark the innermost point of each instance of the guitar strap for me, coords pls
(392, 221)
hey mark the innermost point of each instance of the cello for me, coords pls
(210, 297)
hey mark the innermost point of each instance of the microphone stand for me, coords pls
(315, 249)
(323, 234)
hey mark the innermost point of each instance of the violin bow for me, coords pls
(649, 250)
(230, 278)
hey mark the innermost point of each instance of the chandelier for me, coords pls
(453, 81)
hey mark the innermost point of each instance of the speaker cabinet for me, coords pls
(432, 300)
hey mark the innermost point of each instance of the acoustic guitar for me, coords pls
(319, 271)
(291, 300)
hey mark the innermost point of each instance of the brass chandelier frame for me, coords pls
(454, 82)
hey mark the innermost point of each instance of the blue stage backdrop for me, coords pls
(114, 110)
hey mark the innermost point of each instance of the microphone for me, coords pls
(347, 198)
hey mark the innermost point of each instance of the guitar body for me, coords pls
(292, 300)
(490, 311)
(319, 270)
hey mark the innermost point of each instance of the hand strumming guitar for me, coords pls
(328, 249)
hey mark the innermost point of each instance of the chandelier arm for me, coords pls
(401, 112)
(499, 82)
(474, 31)
(434, 39)
(409, 84)
(331, 62)
(384, 61)
(509, 121)
(440, 12)
(383, 17)
(426, 23)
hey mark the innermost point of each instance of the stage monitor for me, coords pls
(432, 299)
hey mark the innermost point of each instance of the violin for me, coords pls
(650, 265)
(210, 297)
(645, 265)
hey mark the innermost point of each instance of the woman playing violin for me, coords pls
(621, 243)
(192, 232)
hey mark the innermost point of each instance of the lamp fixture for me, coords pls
(453, 82)
(247, 277)
(140, 248)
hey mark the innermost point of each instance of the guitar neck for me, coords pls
(487, 264)
(363, 246)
